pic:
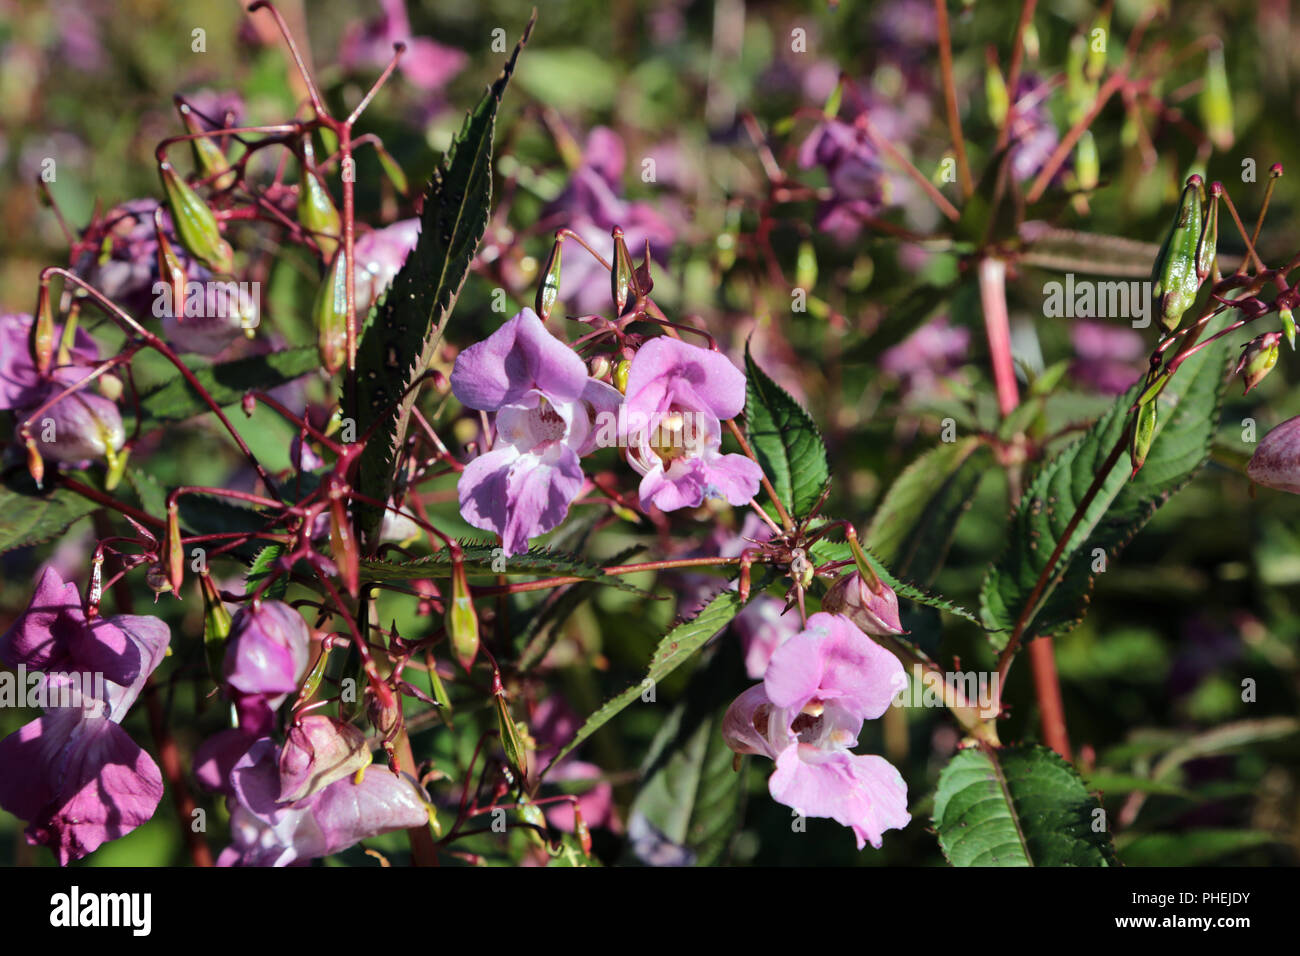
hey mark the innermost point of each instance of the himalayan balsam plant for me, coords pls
(377, 641)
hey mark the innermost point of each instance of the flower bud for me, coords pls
(82, 425)
(462, 619)
(1258, 358)
(621, 371)
(1276, 462)
(599, 366)
(319, 750)
(196, 225)
(315, 208)
(1174, 276)
(875, 613)
(268, 649)
(1288, 325)
(330, 313)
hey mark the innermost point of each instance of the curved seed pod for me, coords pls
(343, 543)
(315, 208)
(173, 553)
(208, 157)
(621, 371)
(170, 269)
(41, 340)
(623, 276)
(1288, 326)
(195, 223)
(216, 626)
(1209, 242)
(1173, 277)
(1144, 433)
(330, 313)
(462, 619)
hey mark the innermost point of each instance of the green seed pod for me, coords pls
(208, 157)
(1086, 163)
(330, 313)
(995, 92)
(462, 619)
(1216, 101)
(170, 269)
(549, 290)
(622, 279)
(620, 375)
(1288, 326)
(195, 223)
(1144, 433)
(315, 208)
(1098, 35)
(805, 272)
(1174, 279)
(216, 626)
(1209, 241)
(511, 741)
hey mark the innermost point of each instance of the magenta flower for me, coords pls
(74, 774)
(677, 397)
(544, 400)
(1276, 462)
(875, 613)
(268, 832)
(268, 651)
(427, 64)
(379, 255)
(819, 688)
(21, 386)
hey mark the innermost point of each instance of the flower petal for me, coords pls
(865, 793)
(512, 361)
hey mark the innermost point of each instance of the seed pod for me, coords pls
(35, 463)
(315, 208)
(1216, 100)
(195, 223)
(173, 552)
(549, 290)
(330, 313)
(1288, 326)
(208, 157)
(170, 269)
(1086, 163)
(1096, 61)
(41, 340)
(581, 830)
(393, 171)
(805, 272)
(462, 619)
(1174, 279)
(1144, 433)
(343, 543)
(511, 742)
(1209, 241)
(623, 276)
(1258, 358)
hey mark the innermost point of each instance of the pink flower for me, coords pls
(677, 397)
(875, 613)
(820, 686)
(427, 64)
(21, 386)
(544, 400)
(74, 774)
(379, 255)
(1276, 462)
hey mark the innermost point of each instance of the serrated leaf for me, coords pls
(176, 399)
(261, 567)
(1195, 848)
(1187, 417)
(786, 441)
(397, 347)
(28, 516)
(482, 558)
(675, 648)
(691, 792)
(915, 523)
(1017, 806)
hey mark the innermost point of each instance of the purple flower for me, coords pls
(677, 397)
(268, 832)
(543, 399)
(806, 715)
(79, 426)
(319, 750)
(268, 650)
(1109, 358)
(762, 628)
(21, 386)
(1276, 462)
(74, 774)
(1033, 130)
(428, 65)
(379, 255)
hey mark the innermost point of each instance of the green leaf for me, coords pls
(261, 567)
(28, 516)
(1188, 412)
(675, 648)
(484, 558)
(914, 525)
(1196, 848)
(176, 399)
(397, 347)
(786, 441)
(1018, 806)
